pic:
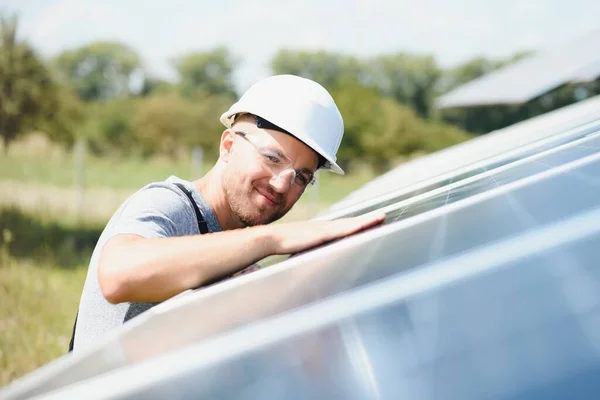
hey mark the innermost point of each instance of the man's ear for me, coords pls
(226, 145)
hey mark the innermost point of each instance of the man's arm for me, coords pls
(136, 269)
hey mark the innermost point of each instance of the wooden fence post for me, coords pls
(79, 158)
(197, 159)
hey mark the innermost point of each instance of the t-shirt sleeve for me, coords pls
(152, 213)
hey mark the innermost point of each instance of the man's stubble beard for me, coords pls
(239, 202)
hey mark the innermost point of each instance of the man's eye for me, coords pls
(271, 159)
(303, 179)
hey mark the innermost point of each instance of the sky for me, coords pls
(452, 31)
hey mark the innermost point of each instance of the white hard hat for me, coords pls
(298, 105)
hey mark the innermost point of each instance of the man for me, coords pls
(176, 235)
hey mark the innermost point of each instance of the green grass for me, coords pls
(59, 169)
(47, 241)
(37, 310)
(42, 270)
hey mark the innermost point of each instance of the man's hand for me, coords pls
(294, 237)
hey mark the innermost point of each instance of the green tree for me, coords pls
(209, 72)
(100, 70)
(152, 86)
(360, 109)
(380, 132)
(169, 123)
(108, 126)
(410, 79)
(25, 83)
(63, 113)
(329, 69)
(207, 128)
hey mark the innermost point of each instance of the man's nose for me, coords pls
(283, 181)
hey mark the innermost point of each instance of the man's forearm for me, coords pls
(135, 269)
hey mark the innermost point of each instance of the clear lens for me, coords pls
(281, 168)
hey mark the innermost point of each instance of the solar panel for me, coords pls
(530, 77)
(543, 131)
(582, 142)
(517, 318)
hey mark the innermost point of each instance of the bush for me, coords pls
(379, 130)
(167, 123)
(108, 127)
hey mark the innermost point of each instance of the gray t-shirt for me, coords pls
(157, 210)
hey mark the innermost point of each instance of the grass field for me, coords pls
(37, 310)
(45, 243)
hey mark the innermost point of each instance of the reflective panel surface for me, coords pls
(484, 179)
(524, 324)
(483, 182)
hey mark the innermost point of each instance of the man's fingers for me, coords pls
(374, 220)
(368, 221)
(364, 222)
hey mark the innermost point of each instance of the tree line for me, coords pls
(101, 92)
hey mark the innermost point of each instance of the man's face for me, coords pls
(257, 180)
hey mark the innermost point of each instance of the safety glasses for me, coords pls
(280, 165)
